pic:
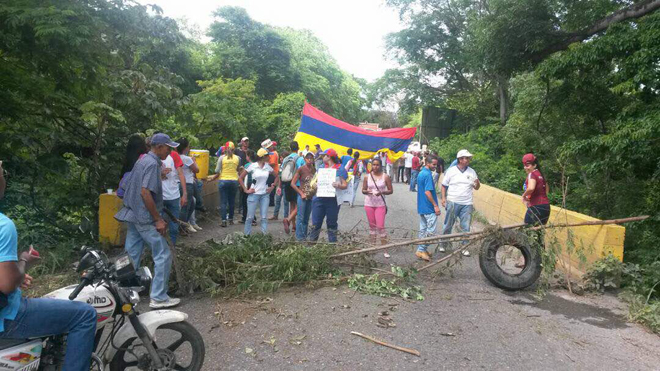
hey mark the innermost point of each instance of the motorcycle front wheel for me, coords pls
(180, 345)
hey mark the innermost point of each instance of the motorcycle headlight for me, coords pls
(133, 297)
(145, 277)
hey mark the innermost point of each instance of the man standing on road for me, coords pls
(241, 152)
(408, 165)
(457, 187)
(414, 171)
(143, 202)
(427, 206)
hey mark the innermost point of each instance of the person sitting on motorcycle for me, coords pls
(22, 318)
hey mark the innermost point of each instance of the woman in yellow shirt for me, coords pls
(227, 171)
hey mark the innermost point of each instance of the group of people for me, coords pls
(159, 175)
(458, 184)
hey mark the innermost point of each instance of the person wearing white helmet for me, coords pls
(457, 186)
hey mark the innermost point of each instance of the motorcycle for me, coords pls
(155, 340)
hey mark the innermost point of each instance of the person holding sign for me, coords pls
(259, 191)
(330, 178)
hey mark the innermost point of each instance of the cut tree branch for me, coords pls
(634, 11)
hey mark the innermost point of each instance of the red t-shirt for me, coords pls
(415, 163)
(540, 194)
(177, 159)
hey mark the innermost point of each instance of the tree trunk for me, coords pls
(503, 93)
(633, 11)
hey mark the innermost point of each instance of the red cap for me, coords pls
(528, 158)
(274, 143)
(330, 152)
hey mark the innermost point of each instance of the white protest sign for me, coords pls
(346, 195)
(324, 180)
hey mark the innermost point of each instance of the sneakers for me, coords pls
(423, 255)
(231, 221)
(386, 255)
(274, 217)
(170, 302)
(466, 253)
(223, 224)
(440, 249)
(196, 227)
(189, 228)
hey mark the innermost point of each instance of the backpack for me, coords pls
(288, 168)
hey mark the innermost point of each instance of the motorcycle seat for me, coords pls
(8, 343)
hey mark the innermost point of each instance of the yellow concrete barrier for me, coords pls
(113, 233)
(595, 241)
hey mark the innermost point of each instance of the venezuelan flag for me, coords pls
(317, 127)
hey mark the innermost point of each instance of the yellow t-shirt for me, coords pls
(229, 166)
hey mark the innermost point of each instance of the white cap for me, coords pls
(463, 153)
(266, 143)
(244, 139)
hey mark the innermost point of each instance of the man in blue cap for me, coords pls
(143, 203)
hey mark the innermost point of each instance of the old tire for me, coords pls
(188, 335)
(504, 280)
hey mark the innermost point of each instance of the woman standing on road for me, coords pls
(227, 171)
(259, 192)
(375, 186)
(535, 196)
(326, 207)
(189, 170)
(301, 183)
(357, 167)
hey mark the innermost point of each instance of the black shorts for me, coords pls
(289, 193)
(537, 214)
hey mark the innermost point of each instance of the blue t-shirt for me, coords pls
(425, 183)
(300, 162)
(344, 160)
(8, 253)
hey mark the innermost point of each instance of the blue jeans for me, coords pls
(278, 203)
(43, 317)
(254, 201)
(227, 189)
(357, 184)
(136, 236)
(413, 179)
(302, 219)
(187, 210)
(324, 208)
(174, 206)
(199, 200)
(462, 212)
(427, 226)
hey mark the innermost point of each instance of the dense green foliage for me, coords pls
(590, 112)
(78, 78)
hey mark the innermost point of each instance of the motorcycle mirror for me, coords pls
(87, 261)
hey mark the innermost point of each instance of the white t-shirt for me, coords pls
(408, 159)
(260, 175)
(171, 181)
(460, 185)
(187, 173)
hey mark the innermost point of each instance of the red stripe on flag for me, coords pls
(398, 133)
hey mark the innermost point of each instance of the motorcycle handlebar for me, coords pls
(81, 285)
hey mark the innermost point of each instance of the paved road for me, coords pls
(463, 323)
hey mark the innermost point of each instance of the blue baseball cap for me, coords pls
(160, 138)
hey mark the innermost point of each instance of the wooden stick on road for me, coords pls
(379, 342)
(478, 234)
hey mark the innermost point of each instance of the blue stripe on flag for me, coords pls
(351, 139)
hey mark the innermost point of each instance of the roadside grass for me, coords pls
(638, 285)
